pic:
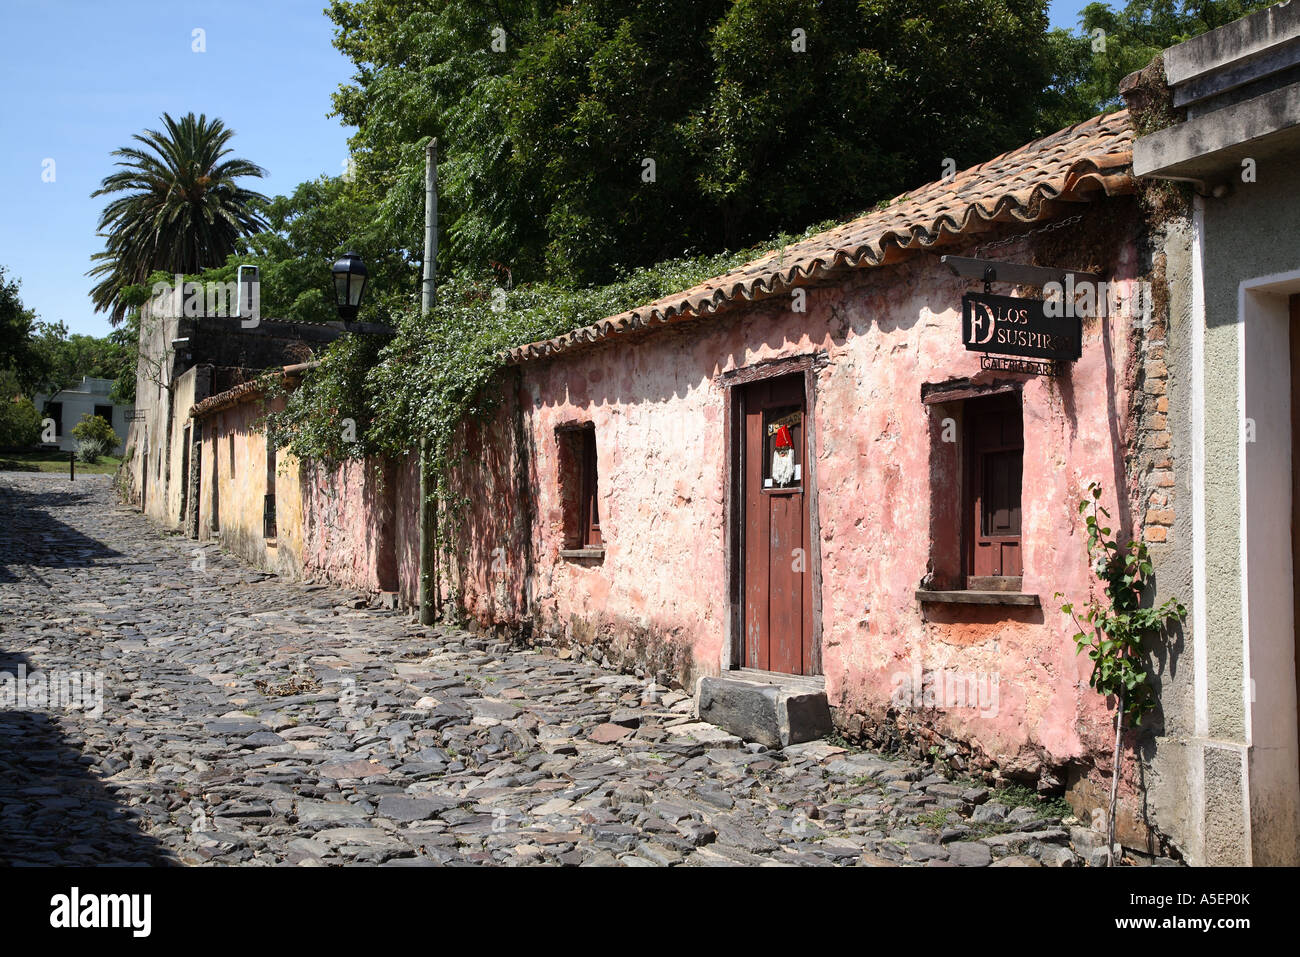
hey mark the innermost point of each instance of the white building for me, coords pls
(88, 398)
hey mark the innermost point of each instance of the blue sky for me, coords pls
(81, 76)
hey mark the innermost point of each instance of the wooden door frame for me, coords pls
(734, 494)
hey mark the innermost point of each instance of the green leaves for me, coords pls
(1114, 631)
(178, 207)
(438, 370)
(542, 143)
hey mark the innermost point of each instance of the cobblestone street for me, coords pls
(247, 720)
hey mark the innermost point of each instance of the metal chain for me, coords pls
(1061, 224)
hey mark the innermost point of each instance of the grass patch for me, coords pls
(837, 740)
(936, 817)
(54, 461)
(1017, 795)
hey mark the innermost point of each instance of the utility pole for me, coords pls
(429, 505)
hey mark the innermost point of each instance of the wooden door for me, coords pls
(778, 585)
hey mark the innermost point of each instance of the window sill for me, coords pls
(971, 597)
(582, 553)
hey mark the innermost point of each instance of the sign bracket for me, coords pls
(993, 270)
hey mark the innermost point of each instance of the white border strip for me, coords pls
(1200, 653)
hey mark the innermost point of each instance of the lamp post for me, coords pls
(349, 284)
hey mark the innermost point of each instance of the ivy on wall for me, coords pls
(382, 395)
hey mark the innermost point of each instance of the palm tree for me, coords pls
(182, 211)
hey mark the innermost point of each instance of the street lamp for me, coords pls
(349, 283)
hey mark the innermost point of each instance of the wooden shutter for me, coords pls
(589, 526)
(995, 458)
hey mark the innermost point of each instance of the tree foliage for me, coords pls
(95, 438)
(305, 233)
(20, 423)
(1114, 41)
(17, 324)
(39, 356)
(62, 360)
(758, 115)
(181, 208)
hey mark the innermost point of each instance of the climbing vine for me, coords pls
(384, 394)
(1113, 628)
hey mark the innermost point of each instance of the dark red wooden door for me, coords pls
(778, 587)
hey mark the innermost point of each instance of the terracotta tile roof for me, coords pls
(1026, 185)
(248, 390)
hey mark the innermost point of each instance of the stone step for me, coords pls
(774, 710)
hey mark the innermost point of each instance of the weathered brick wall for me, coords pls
(1151, 462)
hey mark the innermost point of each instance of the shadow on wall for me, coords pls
(491, 545)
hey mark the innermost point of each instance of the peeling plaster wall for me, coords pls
(1167, 759)
(489, 563)
(146, 442)
(661, 588)
(349, 519)
(353, 524)
(407, 504)
(241, 491)
(189, 387)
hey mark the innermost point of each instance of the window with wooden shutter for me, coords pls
(994, 462)
(579, 491)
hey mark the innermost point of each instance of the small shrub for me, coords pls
(95, 438)
(20, 423)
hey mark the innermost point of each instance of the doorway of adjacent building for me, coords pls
(776, 485)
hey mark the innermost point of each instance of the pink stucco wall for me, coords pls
(349, 519)
(658, 412)
(407, 530)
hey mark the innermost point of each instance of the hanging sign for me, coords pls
(1008, 326)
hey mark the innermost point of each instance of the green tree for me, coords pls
(17, 323)
(759, 116)
(1114, 41)
(61, 360)
(306, 232)
(181, 209)
(20, 423)
(127, 338)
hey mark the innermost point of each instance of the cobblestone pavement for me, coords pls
(248, 720)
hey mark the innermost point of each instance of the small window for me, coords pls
(231, 441)
(268, 502)
(55, 411)
(105, 412)
(579, 488)
(994, 457)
